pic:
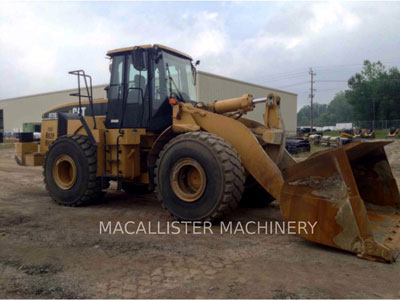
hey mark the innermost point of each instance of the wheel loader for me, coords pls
(393, 132)
(369, 133)
(201, 158)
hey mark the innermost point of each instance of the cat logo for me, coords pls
(75, 110)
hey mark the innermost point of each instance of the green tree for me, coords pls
(340, 109)
(303, 116)
(374, 93)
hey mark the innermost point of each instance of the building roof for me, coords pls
(126, 49)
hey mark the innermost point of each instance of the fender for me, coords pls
(156, 148)
(254, 158)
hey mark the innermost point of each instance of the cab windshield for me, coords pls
(180, 77)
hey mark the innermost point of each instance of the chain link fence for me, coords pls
(378, 124)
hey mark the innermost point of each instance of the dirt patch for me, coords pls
(51, 251)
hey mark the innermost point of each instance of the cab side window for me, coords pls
(137, 83)
(159, 92)
(117, 78)
(157, 89)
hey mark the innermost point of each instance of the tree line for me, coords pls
(372, 94)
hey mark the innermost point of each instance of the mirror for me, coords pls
(139, 59)
(194, 71)
(107, 88)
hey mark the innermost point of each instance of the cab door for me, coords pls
(137, 108)
(127, 95)
(115, 92)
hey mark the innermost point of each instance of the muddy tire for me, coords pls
(199, 177)
(254, 195)
(69, 171)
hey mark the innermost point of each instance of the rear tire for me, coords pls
(69, 171)
(199, 177)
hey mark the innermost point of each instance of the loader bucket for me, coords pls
(351, 193)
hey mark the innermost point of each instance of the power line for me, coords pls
(294, 84)
(288, 72)
(283, 77)
(282, 74)
(353, 65)
(295, 73)
(323, 90)
(332, 80)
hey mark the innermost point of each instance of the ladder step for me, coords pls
(111, 160)
(108, 151)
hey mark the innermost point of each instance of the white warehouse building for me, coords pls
(16, 111)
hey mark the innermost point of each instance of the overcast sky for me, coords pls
(268, 43)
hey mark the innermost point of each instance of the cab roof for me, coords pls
(126, 49)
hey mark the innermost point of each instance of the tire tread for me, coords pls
(93, 191)
(231, 165)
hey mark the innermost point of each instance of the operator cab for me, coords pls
(143, 78)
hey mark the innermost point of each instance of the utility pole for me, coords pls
(373, 109)
(312, 73)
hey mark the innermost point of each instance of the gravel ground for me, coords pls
(51, 251)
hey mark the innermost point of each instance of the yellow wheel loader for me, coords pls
(347, 133)
(359, 133)
(393, 132)
(201, 158)
(369, 133)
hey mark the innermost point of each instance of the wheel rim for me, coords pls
(64, 172)
(188, 179)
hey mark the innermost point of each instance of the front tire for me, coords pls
(70, 169)
(199, 177)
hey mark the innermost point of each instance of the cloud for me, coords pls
(209, 37)
(37, 51)
(251, 41)
(332, 15)
(44, 43)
